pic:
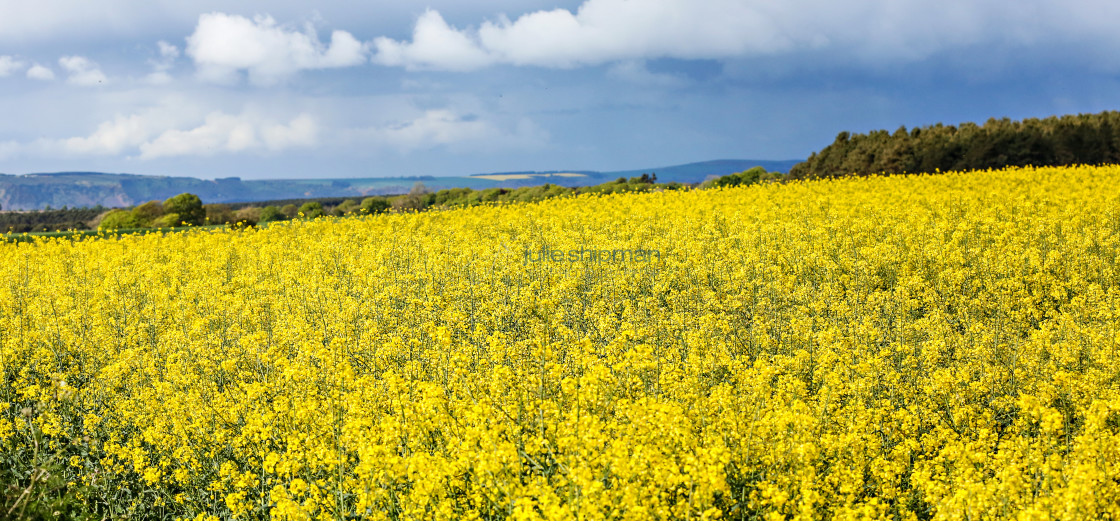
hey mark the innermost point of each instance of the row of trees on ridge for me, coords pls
(1053, 141)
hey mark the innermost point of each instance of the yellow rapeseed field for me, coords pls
(922, 347)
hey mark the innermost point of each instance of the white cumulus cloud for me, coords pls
(434, 44)
(226, 133)
(8, 65)
(168, 52)
(171, 130)
(39, 72)
(161, 66)
(81, 71)
(608, 30)
(223, 45)
(599, 31)
(300, 132)
(113, 137)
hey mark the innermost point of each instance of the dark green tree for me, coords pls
(148, 212)
(119, 220)
(188, 207)
(271, 213)
(311, 210)
(167, 220)
(346, 207)
(374, 205)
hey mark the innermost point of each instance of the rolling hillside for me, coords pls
(79, 189)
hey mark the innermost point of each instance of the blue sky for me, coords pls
(286, 89)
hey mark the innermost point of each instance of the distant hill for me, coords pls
(88, 189)
(697, 172)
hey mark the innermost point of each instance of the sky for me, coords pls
(284, 89)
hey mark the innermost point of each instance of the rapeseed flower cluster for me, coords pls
(923, 347)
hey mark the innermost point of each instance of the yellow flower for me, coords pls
(865, 348)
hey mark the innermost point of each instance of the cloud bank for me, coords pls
(222, 133)
(170, 132)
(176, 130)
(858, 32)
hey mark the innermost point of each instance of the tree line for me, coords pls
(419, 198)
(188, 210)
(998, 143)
(64, 218)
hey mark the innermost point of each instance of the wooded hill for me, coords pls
(1053, 141)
